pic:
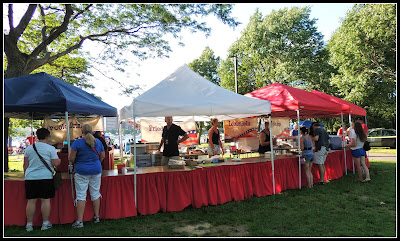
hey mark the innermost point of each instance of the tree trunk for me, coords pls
(6, 124)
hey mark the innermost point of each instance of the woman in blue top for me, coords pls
(307, 154)
(87, 154)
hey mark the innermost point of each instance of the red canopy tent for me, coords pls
(286, 100)
(347, 107)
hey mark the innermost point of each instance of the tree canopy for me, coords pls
(59, 30)
(363, 49)
(206, 65)
(283, 47)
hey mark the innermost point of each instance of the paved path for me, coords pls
(382, 156)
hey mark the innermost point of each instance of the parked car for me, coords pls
(381, 137)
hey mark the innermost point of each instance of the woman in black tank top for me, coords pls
(264, 140)
(214, 142)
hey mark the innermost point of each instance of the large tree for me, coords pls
(57, 30)
(363, 49)
(206, 65)
(50, 36)
(283, 47)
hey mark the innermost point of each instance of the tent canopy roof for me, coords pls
(286, 100)
(39, 95)
(347, 107)
(186, 93)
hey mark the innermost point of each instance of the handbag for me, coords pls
(57, 178)
(366, 146)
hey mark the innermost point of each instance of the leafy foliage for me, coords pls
(206, 65)
(52, 35)
(363, 50)
(283, 47)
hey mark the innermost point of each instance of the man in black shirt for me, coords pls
(170, 140)
(321, 138)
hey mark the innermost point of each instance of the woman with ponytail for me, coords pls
(87, 154)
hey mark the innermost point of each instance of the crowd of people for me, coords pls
(88, 152)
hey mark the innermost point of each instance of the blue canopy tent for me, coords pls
(40, 95)
(308, 123)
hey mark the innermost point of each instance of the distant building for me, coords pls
(111, 123)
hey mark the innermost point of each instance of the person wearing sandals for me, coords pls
(307, 154)
(357, 138)
(38, 179)
(87, 154)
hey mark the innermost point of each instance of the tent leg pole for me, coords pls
(354, 170)
(134, 152)
(343, 145)
(272, 152)
(71, 176)
(298, 138)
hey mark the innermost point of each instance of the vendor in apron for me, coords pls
(170, 140)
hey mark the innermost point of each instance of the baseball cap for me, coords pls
(359, 118)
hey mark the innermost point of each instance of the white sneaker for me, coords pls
(46, 225)
(29, 227)
(96, 219)
(77, 224)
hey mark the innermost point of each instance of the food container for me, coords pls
(176, 166)
(156, 158)
(191, 162)
(121, 169)
(151, 147)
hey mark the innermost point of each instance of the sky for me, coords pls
(222, 36)
(152, 71)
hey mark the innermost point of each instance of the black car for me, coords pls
(380, 137)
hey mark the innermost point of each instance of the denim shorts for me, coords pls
(210, 151)
(83, 182)
(308, 158)
(357, 153)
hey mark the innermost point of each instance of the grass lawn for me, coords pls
(342, 208)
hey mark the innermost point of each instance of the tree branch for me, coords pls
(62, 28)
(23, 23)
(80, 12)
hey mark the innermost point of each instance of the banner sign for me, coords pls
(58, 129)
(151, 131)
(280, 127)
(241, 128)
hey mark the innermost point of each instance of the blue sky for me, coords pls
(153, 71)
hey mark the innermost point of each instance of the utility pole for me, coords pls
(235, 61)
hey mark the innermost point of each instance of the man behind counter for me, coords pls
(170, 135)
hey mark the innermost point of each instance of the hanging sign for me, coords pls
(58, 129)
(151, 131)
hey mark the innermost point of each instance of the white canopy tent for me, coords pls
(185, 93)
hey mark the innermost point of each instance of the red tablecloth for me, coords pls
(173, 191)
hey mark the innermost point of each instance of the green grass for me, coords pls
(342, 208)
(382, 150)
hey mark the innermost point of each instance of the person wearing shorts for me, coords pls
(307, 154)
(321, 138)
(87, 154)
(357, 138)
(38, 179)
(214, 141)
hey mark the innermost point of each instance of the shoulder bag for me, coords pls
(94, 149)
(366, 146)
(57, 179)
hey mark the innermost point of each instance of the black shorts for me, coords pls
(39, 189)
